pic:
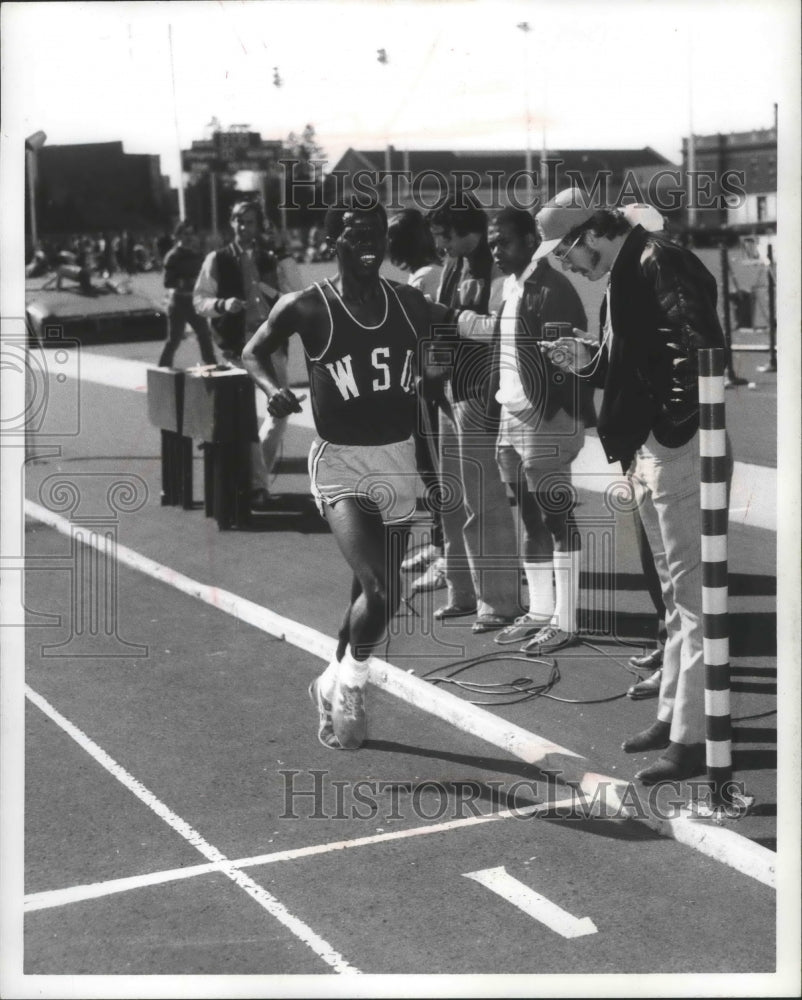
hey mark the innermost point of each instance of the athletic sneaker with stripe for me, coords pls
(325, 732)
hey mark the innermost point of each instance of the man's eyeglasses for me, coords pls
(562, 254)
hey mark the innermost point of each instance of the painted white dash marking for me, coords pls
(221, 863)
(80, 893)
(560, 921)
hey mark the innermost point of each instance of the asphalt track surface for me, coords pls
(169, 829)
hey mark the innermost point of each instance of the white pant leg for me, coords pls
(667, 483)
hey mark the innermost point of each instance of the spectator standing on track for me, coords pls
(360, 334)
(482, 526)
(237, 287)
(541, 429)
(181, 268)
(660, 309)
(410, 246)
(653, 222)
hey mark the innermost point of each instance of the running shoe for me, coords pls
(421, 559)
(433, 579)
(325, 732)
(522, 628)
(548, 640)
(349, 718)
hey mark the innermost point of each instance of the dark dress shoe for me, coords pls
(656, 737)
(651, 661)
(647, 688)
(453, 611)
(679, 762)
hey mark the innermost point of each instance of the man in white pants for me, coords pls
(660, 309)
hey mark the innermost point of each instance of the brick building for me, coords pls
(723, 161)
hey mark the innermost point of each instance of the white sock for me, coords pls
(353, 673)
(566, 575)
(328, 679)
(541, 588)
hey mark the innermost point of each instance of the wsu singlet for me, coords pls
(363, 384)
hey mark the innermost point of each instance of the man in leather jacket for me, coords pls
(660, 309)
(541, 428)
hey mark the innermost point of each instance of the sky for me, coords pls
(460, 75)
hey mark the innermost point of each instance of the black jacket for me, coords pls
(663, 303)
(229, 328)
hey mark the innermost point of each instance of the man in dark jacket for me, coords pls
(181, 268)
(661, 308)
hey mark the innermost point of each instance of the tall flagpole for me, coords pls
(690, 190)
(181, 204)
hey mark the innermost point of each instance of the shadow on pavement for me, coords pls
(753, 633)
(613, 828)
(752, 585)
(754, 734)
(500, 764)
(754, 760)
(753, 672)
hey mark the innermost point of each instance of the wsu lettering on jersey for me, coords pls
(342, 372)
(363, 385)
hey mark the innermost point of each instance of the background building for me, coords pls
(92, 187)
(752, 154)
(500, 175)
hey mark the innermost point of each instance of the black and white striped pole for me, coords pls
(715, 593)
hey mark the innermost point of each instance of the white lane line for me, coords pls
(79, 893)
(265, 899)
(740, 853)
(557, 919)
(754, 487)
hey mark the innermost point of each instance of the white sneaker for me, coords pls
(420, 560)
(325, 731)
(433, 579)
(522, 628)
(350, 721)
(549, 640)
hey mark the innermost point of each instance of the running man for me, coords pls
(360, 335)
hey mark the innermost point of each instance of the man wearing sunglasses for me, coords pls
(660, 308)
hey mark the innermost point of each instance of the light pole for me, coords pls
(33, 144)
(278, 83)
(525, 28)
(384, 59)
(182, 211)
